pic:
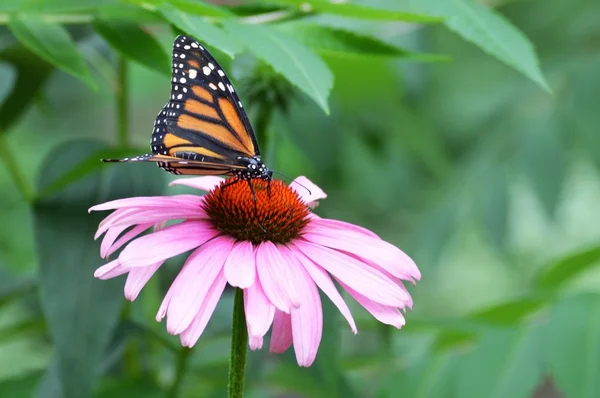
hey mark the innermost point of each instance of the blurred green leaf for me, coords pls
(135, 43)
(432, 377)
(573, 338)
(544, 160)
(200, 29)
(494, 204)
(54, 6)
(200, 8)
(23, 386)
(301, 66)
(505, 363)
(344, 43)
(52, 43)
(32, 73)
(510, 312)
(89, 165)
(484, 27)
(81, 311)
(140, 387)
(347, 9)
(561, 272)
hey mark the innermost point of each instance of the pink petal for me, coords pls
(382, 253)
(383, 313)
(191, 335)
(309, 192)
(205, 183)
(137, 279)
(151, 202)
(317, 222)
(110, 270)
(240, 267)
(281, 336)
(307, 322)
(109, 246)
(194, 282)
(362, 278)
(149, 216)
(325, 283)
(259, 311)
(275, 277)
(169, 242)
(255, 343)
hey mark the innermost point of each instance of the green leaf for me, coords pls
(432, 377)
(344, 43)
(81, 311)
(490, 31)
(574, 338)
(543, 159)
(22, 386)
(200, 29)
(494, 204)
(200, 8)
(142, 387)
(561, 272)
(347, 9)
(87, 166)
(294, 61)
(510, 312)
(52, 43)
(505, 363)
(32, 73)
(135, 43)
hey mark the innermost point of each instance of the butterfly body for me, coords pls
(203, 129)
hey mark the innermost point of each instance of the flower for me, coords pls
(263, 238)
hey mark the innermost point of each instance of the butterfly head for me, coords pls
(255, 169)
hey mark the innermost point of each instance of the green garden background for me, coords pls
(466, 132)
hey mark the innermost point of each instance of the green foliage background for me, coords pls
(430, 122)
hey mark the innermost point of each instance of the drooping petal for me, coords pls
(155, 202)
(386, 255)
(205, 183)
(255, 343)
(166, 243)
(281, 336)
(317, 222)
(259, 311)
(109, 246)
(362, 278)
(308, 191)
(137, 279)
(240, 267)
(325, 283)
(307, 321)
(194, 281)
(107, 222)
(274, 277)
(191, 335)
(111, 270)
(383, 313)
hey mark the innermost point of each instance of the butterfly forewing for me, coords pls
(204, 119)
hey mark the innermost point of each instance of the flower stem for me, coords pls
(182, 362)
(122, 110)
(239, 343)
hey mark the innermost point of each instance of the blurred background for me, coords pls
(442, 137)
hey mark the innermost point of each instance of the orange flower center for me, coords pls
(273, 212)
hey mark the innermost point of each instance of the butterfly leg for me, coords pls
(255, 205)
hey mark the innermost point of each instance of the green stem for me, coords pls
(122, 103)
(266, 136)
(182, 362)
(239, 343)
(14, 171)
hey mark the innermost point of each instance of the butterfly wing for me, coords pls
(203, 129)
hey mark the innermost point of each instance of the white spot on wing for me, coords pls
(193, 73)
(194, 44)
(206, 70)
(211, 66)
(221, 86)
(221, 73)
(211, 85)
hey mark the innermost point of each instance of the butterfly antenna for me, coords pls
(294, 182)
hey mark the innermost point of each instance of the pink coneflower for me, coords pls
(270, 245)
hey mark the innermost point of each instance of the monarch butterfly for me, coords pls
(203, 129)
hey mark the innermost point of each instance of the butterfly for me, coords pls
(203, 129)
